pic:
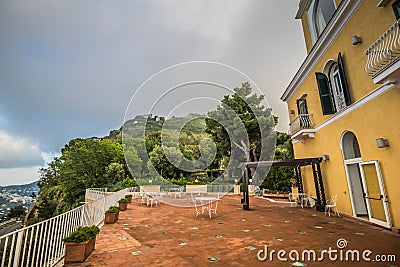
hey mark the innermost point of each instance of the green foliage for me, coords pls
(128, 196)
(82, 234)
(113, 209)
(127, 182)
(16, 212)
(115, 172)
(242, 109)
(279, 178)
(84, 163)
(123, 200)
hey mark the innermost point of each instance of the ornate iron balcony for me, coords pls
(384, 52)
(303, 121)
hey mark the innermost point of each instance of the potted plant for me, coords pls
(129, 198)
(80, 243)
(112, 214)
(123, 203)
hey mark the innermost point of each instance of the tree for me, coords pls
(241, 126)
(16, 212)
(115, 172)
(279, 178)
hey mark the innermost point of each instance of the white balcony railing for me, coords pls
(384, 52)
(95, 193)
(41, 244)
(303, 121)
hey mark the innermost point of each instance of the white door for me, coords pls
(376, 198)
(357, 191)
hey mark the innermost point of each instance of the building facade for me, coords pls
(344, 105)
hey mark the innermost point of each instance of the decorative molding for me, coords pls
(383, 3)
(371, 96)
(339, 20)
(302, 8)
(303, 134)
(389, 74)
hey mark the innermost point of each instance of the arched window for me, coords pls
(333, 89)
(318, 14)
(337, 87)
(350, 145)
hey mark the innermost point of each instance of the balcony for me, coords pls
(302, 127)
(383, 63)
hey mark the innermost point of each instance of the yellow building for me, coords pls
(344, 105)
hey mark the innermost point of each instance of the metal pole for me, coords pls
(245, 200)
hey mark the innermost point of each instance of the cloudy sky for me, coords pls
(68, 69)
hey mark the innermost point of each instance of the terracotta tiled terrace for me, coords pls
(172, 236)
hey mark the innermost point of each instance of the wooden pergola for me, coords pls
(296, 164)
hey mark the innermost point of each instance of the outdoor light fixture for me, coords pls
(150, 181)
(236, 180)
(291, 111)
(382, 142)
(196, 181)
(325, 157)
(250, 180)
(356, 40)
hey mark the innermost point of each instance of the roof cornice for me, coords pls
(339, 20)
(302, 8)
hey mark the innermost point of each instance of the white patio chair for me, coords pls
(151, 200)
(178, 192)
(331, 205)
(198, 206)
(213, 210)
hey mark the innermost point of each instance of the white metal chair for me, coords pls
(331, 205)
(151, 200)
(199, 207)
(213, 210)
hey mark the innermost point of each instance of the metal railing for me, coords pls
(95, 193)
(41, 244)
(303, 121)
(384, 52)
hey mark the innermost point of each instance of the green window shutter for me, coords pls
(343, 80)
(328, 107)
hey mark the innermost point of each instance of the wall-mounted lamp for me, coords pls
(291, 111)
(382, 142)
(325, 157)
(355, 40)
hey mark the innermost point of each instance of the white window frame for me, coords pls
(315, 32)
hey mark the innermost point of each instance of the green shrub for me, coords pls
(123, 200)
(82, 234)
(113, 209)
(128, 196)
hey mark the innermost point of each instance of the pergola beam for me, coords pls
(296, 164)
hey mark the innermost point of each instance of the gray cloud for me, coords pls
(18, 152)
(69, 68)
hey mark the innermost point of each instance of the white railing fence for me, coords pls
(95, 193)
(384, 52)
(41, 244)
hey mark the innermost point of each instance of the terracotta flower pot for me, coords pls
(129, 199)
(111, 217)
(123, 206)
(78, 252)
